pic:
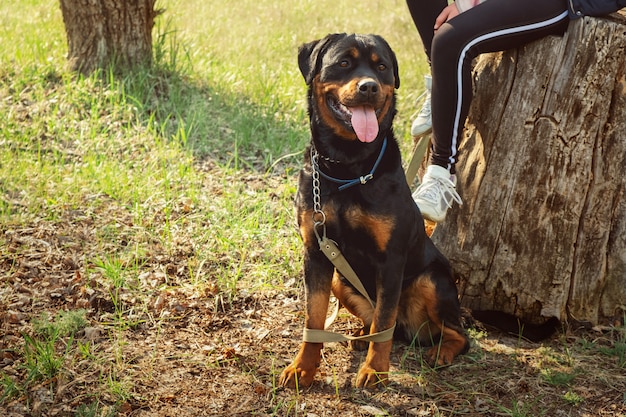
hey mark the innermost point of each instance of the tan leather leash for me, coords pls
(421, 145)
(330, 249)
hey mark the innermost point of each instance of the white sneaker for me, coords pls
(423, 123)
(436, 193)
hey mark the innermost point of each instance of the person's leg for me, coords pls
(424, 13)
(495, 25)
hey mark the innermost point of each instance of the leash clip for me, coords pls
(316, 225)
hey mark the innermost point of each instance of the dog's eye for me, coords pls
(344, 63)
(382, 67)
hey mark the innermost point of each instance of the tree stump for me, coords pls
(542, 231)
(106, 32)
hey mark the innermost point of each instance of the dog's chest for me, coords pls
(364, 216)
(356, 227)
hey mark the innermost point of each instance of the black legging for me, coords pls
(424, 13)
(494, 25)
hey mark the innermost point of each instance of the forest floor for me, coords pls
(177, 350)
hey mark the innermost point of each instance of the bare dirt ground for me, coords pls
(185, 351)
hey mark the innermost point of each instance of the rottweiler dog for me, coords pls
(352, 188)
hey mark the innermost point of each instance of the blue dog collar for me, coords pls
(349, 183)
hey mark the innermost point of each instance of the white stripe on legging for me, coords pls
(460, 69)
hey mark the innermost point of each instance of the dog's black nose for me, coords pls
(368, 87)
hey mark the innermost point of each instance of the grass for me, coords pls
(147, 235)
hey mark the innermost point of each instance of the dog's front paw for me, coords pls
(303, 368)
(368, 377)
(296, 375)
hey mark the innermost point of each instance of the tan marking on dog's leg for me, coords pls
(452, 344)
(375, 370)
(418, 313)
(306, 227)
(302, 370)
(354, 302)
(413, 311)
(358, 306)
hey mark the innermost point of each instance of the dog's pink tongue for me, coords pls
(364, 123)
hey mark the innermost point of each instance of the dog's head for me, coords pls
(352, 81)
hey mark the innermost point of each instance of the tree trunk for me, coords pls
(105, 32)
(542, 231)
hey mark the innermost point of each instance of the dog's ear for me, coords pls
(396, 72)
(394, 61)
(310, 55)
(306, 59)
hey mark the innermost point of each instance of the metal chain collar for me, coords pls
(319, 218)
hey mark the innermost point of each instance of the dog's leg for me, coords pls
(444, 312)
(356, 304)
(433, 316)
(453, 343)
(375, 369)
(317, 278)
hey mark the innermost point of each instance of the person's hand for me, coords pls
(448, 13)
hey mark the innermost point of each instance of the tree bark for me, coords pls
(105, 32)
(542, 231)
